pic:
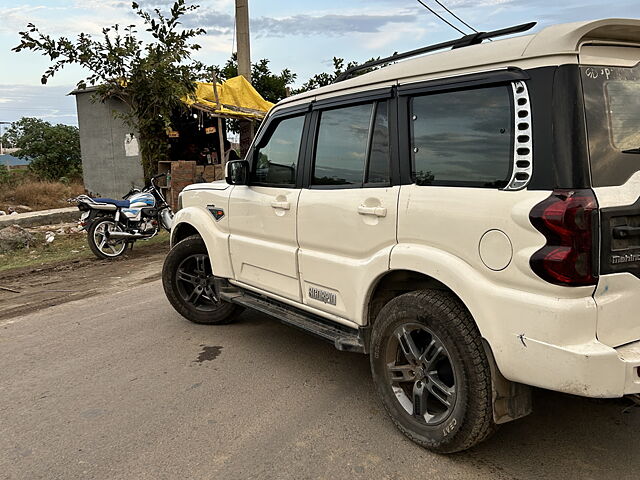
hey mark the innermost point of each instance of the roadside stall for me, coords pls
(200, 144)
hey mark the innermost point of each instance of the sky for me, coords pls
(297, 34)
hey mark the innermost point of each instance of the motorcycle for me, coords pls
(112, 225)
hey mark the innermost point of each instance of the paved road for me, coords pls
(120, 387)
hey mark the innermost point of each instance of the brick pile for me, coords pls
(183, 173)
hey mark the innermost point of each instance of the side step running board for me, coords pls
(345, 338)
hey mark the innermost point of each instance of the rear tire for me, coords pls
(188, 282)
(99, 243)
(431, 371)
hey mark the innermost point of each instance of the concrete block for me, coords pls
(43, 217)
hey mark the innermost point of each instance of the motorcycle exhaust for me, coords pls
(126, 236)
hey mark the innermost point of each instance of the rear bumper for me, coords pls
(618, 300)
(630, 356)
(589, 370)
(552, 343)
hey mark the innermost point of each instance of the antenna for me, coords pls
(465, 41)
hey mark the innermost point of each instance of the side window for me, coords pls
(350, 141)
(463, 138)
(276, 161)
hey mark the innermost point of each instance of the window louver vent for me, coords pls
(523, 147)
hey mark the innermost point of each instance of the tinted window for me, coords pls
(624, 114)
(277, 160)
(462, 138)
(379, 156)
(342, 145)
(612, 104)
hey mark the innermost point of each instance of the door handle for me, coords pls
(281, 205)
(626, 232)
(377, 211)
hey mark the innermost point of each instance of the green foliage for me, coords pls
(151, 78)
(324, 79)
(272, 86)
(53, 151)
(11, 178)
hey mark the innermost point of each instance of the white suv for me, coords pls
(469, 218)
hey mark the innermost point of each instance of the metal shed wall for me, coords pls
(107, 170)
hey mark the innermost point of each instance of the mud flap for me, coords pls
(510, 400)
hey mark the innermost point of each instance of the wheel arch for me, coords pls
(181, 231)
(197, 221)
(394, 283)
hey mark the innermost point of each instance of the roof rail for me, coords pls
(465, 41)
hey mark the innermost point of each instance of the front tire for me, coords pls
(431, 372)
(188, 282)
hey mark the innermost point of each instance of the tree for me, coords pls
(272, 86)
(339, 67)
(151, 77)
(53, 151)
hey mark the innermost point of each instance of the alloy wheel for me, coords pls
(107, 247)
(421, 373)
(195, 282)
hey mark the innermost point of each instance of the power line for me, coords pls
(440, 17)
(456, 17)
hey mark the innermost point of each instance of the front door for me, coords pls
(347, 215)
(262, 216)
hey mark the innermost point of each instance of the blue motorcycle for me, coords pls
(112, 225)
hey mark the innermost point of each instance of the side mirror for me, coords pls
(236, 172)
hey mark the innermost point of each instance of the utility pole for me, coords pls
(243, 39)
(244, 65)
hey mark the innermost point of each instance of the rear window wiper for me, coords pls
(632, 150)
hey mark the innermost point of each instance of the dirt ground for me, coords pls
(24, 290)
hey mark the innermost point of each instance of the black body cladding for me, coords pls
(620, 250)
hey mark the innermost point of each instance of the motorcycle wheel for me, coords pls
(98, 237)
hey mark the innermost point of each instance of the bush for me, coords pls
(11, 178)
(39, 194)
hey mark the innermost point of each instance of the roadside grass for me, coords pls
(38, 194)
(63, 248)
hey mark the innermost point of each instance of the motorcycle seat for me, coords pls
(117, 203)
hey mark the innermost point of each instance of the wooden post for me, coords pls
(244, 66)
(223, 160)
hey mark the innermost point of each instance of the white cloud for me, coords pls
(392, 33)
(52, 103)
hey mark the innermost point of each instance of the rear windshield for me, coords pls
(612, 102)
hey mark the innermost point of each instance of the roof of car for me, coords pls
(548, 46)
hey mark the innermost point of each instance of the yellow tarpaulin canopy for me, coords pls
(236, 98)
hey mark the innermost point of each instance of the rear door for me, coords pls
(612, 103)
(262, 215)
(347, 215)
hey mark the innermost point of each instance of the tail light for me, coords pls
(569, 221)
